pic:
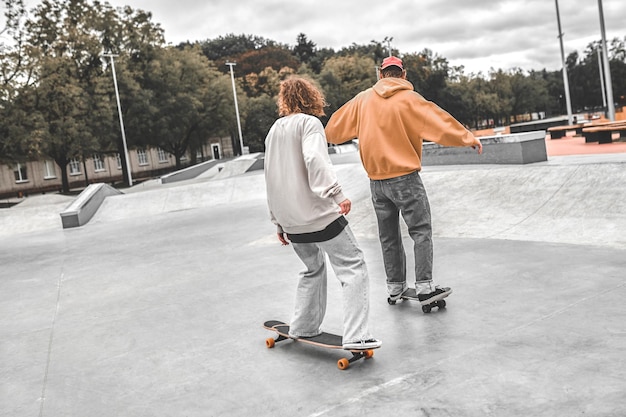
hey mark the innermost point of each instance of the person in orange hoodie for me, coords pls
(391, 120)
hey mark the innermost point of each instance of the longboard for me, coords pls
(411, 295)
(324, 340)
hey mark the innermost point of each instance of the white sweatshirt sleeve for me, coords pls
(322, 178)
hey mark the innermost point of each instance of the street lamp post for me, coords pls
(568, 101)
(607, 67)
(232, 78)
(601, 78)
(119, 111)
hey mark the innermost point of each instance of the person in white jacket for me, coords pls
(308, 206)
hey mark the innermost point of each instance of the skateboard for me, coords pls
(411, 295)
(325, 340)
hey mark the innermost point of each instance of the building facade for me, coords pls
(42, 176)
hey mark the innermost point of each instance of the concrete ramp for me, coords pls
(568, 203)
(34, 213)
(233, 190)
(581, 204)
(577, 204)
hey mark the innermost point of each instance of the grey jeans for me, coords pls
(348, 263)
(406, 195)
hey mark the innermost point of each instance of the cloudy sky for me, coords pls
(478, 34)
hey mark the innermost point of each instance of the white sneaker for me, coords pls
(363, 345)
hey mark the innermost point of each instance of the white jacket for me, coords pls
(302, 188)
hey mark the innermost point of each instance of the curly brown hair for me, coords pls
(298, 95)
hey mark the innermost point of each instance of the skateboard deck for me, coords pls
(411, 295)
(324, 340)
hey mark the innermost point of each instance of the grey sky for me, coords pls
(478, 34)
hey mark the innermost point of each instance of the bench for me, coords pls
(515, 148)
(557, 132)
(603, 133)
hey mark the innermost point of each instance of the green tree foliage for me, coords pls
(267, 82)
(428, 72)
(261, 112)
(342, 77)
(584, 72)
(62, 97)
(270, 56)
(188, 100)
(229, 47)
(304, 49)
(16, 143)
(374, 50)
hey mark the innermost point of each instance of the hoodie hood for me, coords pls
(387, 87)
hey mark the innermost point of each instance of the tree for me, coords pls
(63, 105)
(374, 50)
(528, 93)
(271, 56)
(459, 100)
(267, 82)
(66, 92)
(15, 72)
(261, 112)
(227, 47)
(428, 72)
(342, 77)
(65, 76)
(188, 100)
(304, 49)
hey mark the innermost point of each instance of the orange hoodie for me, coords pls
(391, 120)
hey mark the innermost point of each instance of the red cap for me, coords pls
(391, 60)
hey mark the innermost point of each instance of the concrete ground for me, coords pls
(155, 307)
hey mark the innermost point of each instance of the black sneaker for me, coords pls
(396, 297)
(438, 294)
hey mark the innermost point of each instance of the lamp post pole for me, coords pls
(119, 111)
(607, 68)
(568, 101)
(601, 78)
(232, 78)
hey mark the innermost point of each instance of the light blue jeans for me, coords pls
(349, 265)
(406, 195)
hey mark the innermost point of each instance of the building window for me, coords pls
(98, 163)
(142, 157)
(74, 167)
(162, 156)
(49, 172)
(21, 175)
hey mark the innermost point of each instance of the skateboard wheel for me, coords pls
(343, 364)
(426, 308)
(391, 302)
(441, 303)
(270, 342)
(368, 354)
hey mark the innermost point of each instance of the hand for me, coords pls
(283, 239)
(345, 206)
(479, 146)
